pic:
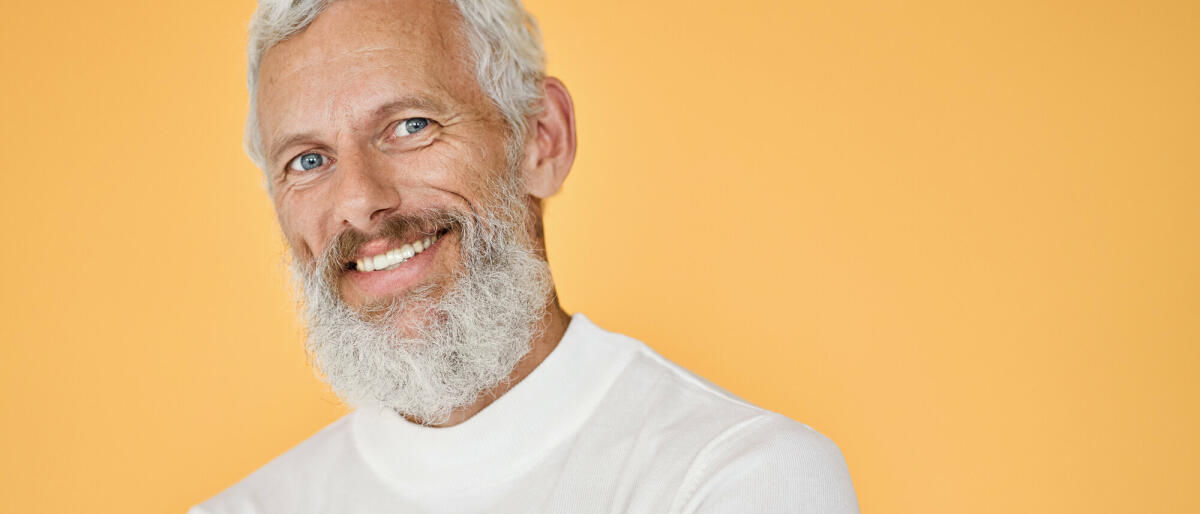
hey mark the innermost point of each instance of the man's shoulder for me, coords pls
(286, 478)
(671, 392)
(768, 464)
(667, 391)
(719, 446)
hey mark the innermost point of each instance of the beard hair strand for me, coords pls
(463, 342)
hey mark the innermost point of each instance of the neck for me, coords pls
(554, 323)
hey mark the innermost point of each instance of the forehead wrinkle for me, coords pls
(298, 64)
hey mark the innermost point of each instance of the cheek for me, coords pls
(443, 163)
(298, 219)
(464, 167)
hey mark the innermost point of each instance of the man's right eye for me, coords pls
(307, 162)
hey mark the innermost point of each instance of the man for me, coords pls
(408, 145)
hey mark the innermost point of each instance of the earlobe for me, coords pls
(551, 146)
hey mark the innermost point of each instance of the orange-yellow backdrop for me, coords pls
(961, 239)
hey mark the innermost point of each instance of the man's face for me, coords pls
(374, 113)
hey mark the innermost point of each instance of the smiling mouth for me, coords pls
(395, 257)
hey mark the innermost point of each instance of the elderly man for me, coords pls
(408, 145)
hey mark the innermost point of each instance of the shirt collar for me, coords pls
(515, 431)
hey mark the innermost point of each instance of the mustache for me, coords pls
(341, 251)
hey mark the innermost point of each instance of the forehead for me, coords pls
(360, 53)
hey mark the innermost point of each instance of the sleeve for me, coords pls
(770, 464)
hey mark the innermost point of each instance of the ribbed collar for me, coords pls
(507, 436)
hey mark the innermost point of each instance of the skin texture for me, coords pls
(342, 86)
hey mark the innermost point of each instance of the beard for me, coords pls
(435, 348)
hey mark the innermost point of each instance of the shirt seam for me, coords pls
(691, 478)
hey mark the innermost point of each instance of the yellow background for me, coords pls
(959, 238)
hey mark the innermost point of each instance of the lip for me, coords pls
(379, 284)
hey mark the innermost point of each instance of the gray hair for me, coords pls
(505, 45)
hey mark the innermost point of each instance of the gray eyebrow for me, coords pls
(426, 103)
(280, 143)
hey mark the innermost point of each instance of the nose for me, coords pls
(363, 192)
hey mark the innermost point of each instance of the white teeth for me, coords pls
(394, 257)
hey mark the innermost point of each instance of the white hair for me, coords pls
(505, 46)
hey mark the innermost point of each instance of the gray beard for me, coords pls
(463, 342)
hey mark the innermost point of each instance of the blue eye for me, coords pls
(307, 162)
(411, 126)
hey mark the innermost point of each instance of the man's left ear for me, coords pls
(550, 143)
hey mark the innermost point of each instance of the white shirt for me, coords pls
(604, 424)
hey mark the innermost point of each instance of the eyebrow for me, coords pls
(422, 103)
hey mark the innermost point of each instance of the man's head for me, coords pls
(407, 145)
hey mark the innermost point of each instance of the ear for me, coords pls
(550, 144)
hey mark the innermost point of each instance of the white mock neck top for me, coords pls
(603, 424)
